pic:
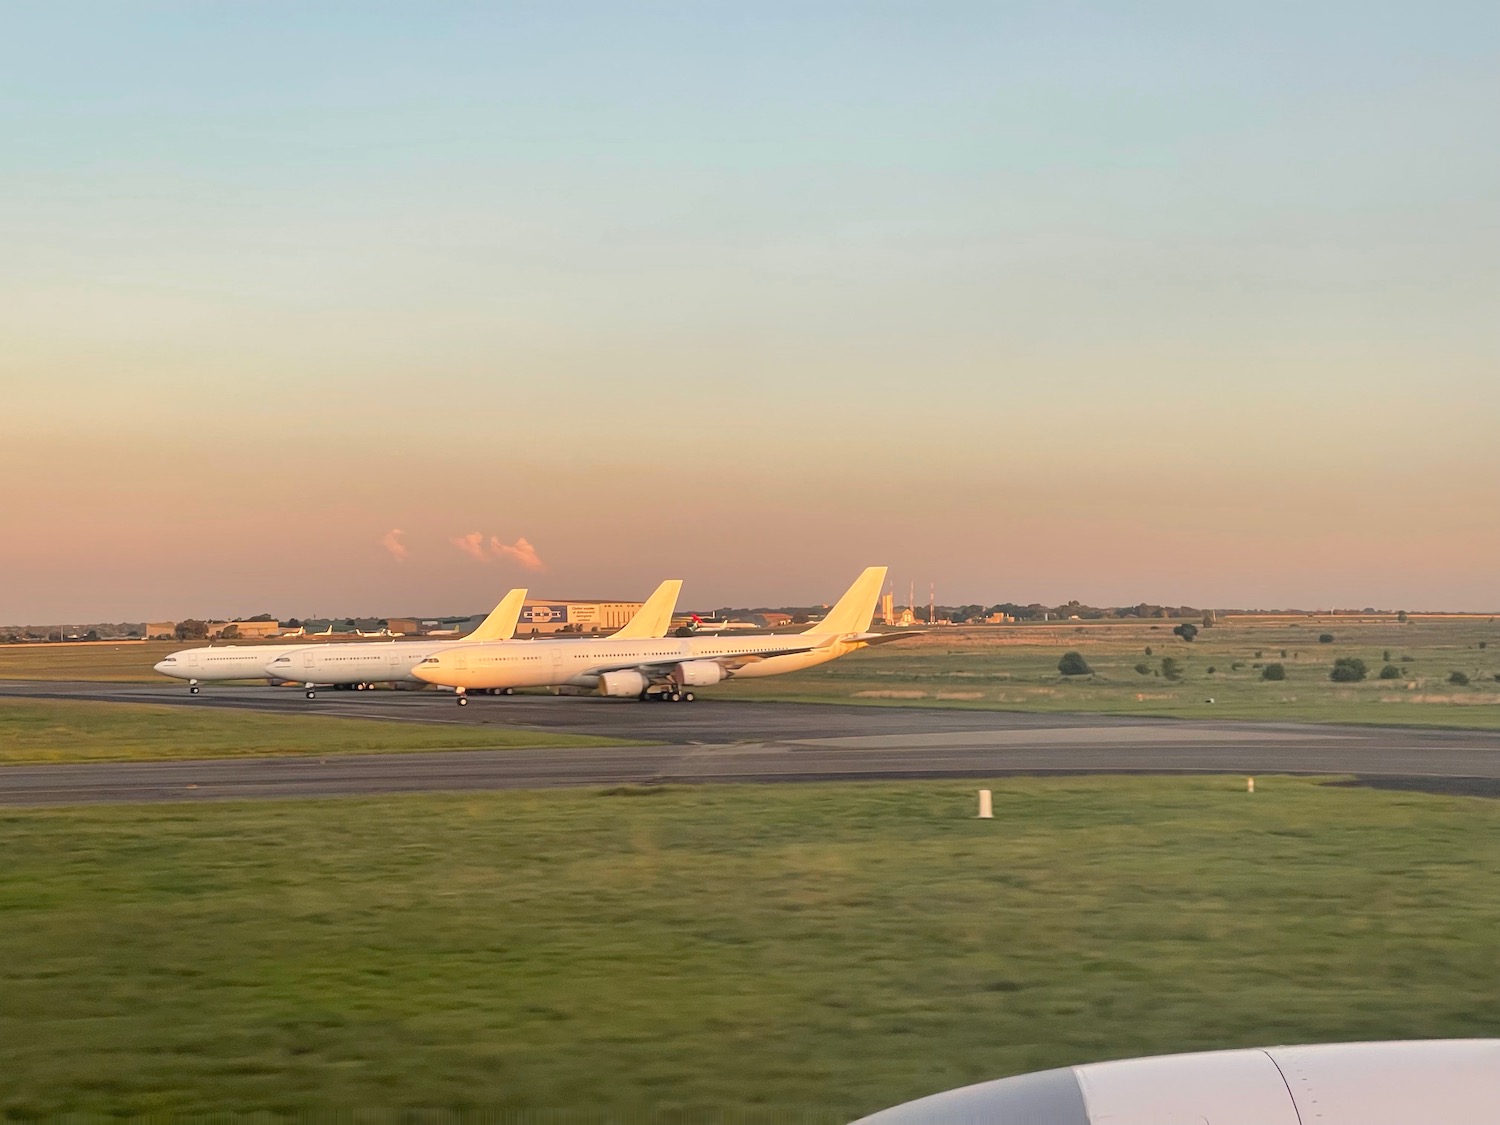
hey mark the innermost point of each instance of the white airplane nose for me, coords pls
(429, 670)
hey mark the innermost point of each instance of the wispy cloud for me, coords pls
(391, 541)
(521, 551)
(472, 544)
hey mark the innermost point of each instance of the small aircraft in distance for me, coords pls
(383, 631)
(701, 625)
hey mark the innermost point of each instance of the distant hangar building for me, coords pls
(573, 616)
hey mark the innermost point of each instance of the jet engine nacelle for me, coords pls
(698, 673)
(1453, 1081)
(621, 683)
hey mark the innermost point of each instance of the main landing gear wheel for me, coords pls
(675, 697)
(508, 691)
(687, 697)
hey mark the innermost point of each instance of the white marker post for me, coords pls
(1249, 785)
(985, 811)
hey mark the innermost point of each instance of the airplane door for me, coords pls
(558, 675)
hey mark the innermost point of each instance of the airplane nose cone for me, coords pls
(161, 666)
(429, 671)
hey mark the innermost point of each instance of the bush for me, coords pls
(1211, 669)
(1143, 668)
(1386, 656)
(1459, 678)
(1484, 644)
(1148, 650)
(1401, 617)
(1257, 654)
(1390, 672)
(1170, 668)
(1237, 665)
(1283, 654)
(1348, 670)
(1187, 631)
(1073, 664)
(1325, 638)
(1273, 672)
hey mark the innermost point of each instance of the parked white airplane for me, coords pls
(664, 668)
(362, 665)
(1437, 1081)
(248, 662)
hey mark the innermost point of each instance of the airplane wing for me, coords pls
(730, 662)
(886, 638)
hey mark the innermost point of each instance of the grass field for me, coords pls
(103, 661)
(1015, 668)
(811, 952)
(73, 731)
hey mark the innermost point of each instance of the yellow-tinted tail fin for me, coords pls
(654, 618)
(500, 625)
(854, 611)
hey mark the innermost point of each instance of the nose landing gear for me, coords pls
(192, 687)
(463, 697)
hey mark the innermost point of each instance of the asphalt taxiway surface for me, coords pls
(726, 741)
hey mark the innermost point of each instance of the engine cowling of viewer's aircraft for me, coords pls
(1439, 1081)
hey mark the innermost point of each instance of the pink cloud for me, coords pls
(472, 544)
(520, 552)
(392, 543)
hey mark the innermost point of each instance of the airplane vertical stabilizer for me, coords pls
(855, 610)
(500, 625)
(654, 618)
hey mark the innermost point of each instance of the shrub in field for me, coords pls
(1325, 638)
(1257, 654)
(1143, 668)
(1237, 665)
(1148, 650)
(1283, 654)
(1386, 656)
(1170, 668)
(1459, 678)
(1484, 644)
(1390, 672)
(1401, 617)
(1348, 670)
(1273, 672)
(1187, 631)
(1211, 669)
(1073, 664)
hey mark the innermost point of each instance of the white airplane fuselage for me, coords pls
(685, 660)
(357, 663)
(215, 663)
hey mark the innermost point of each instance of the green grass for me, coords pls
(74, 731)
(818, 950)
(1015, 668)
(102, 661)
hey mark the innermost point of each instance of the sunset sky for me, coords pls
(385, 308)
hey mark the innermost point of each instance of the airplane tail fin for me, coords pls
(500, 625)
(654, 618)
(856, 609)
